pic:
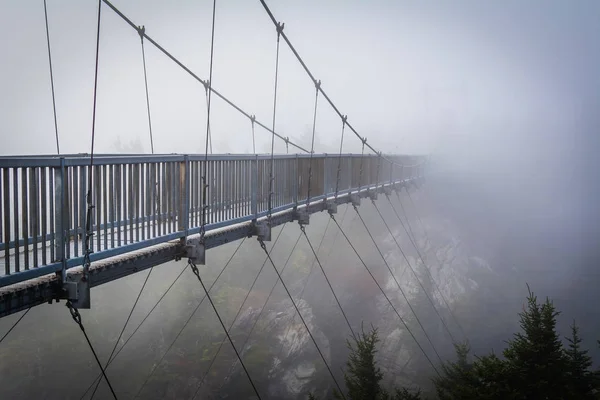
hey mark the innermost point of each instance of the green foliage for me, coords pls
(581, 379)
(535, 364)
(363, 376)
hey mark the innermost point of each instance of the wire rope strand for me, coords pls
(263, 246)
(385, 295)
(51, 79)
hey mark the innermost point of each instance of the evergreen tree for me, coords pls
(458, 380)
(536, 360)
(363, 376)
(581, 379)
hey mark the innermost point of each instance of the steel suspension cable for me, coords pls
(236, 316)
(197, 273)
(253, 141)
(77, 318)
(264, 247)
(312, 143)
(312, 77)
(412, 233)
(89, 230)
(398, 284)
(134, 332)
(262, 308)
(301, 295)
(141, 32)
(189, 318)
(123, 329)
(413, 271)
(328, 282)
(414, 243)
(272, 172)
(207, 85)
(209, 130)
(17, 323)
(385, 295)
(339, 168)
(51, 78)
(423, 261)
(196, 77)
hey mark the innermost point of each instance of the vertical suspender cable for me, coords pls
(312, 144)
(89, 231)
(51, 79)
(141, 31)
(252, 119)
(272, 173)
(339, 168)
(207, 86)
(209, 130)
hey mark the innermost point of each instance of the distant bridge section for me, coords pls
(146, 206)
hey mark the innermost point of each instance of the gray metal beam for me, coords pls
(33, 292)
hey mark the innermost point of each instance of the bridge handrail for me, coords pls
(142, 200)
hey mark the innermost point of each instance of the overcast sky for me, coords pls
(510, 76)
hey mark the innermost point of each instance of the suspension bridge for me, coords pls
(70, 222)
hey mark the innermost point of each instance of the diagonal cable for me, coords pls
(207, 295)
(421, 257)
(188, 320)
(14, 325)
(236, 316)
(123, 329)
(135, 330)
(262, 308)
(385, 295)
(398, 284)
(263, 246)
(197, 78)
(51, 78)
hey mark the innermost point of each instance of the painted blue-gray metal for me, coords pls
(112, 264)
(141, 201)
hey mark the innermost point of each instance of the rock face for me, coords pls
(442, 263)
(293, 362)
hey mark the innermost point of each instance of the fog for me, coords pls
(503, 96)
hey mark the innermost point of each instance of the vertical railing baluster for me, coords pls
(24, 217)
(59, 218)
(76, 200)
(51, 213)
(44, 217)
(2, 202)
(184, 192)
(253, 187)
(136, 200)
(104, 197)
(154, 190)
(33, 207)
(97, 190)
(119, 202)
(145, 201)
(6, 212)
(82, 204)
(113, 200)
(16, 228)
(130, 199)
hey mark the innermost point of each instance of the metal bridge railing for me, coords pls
(145, 200)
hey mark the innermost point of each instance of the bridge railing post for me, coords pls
(60, 214)
(254, 187)
(183, 222)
